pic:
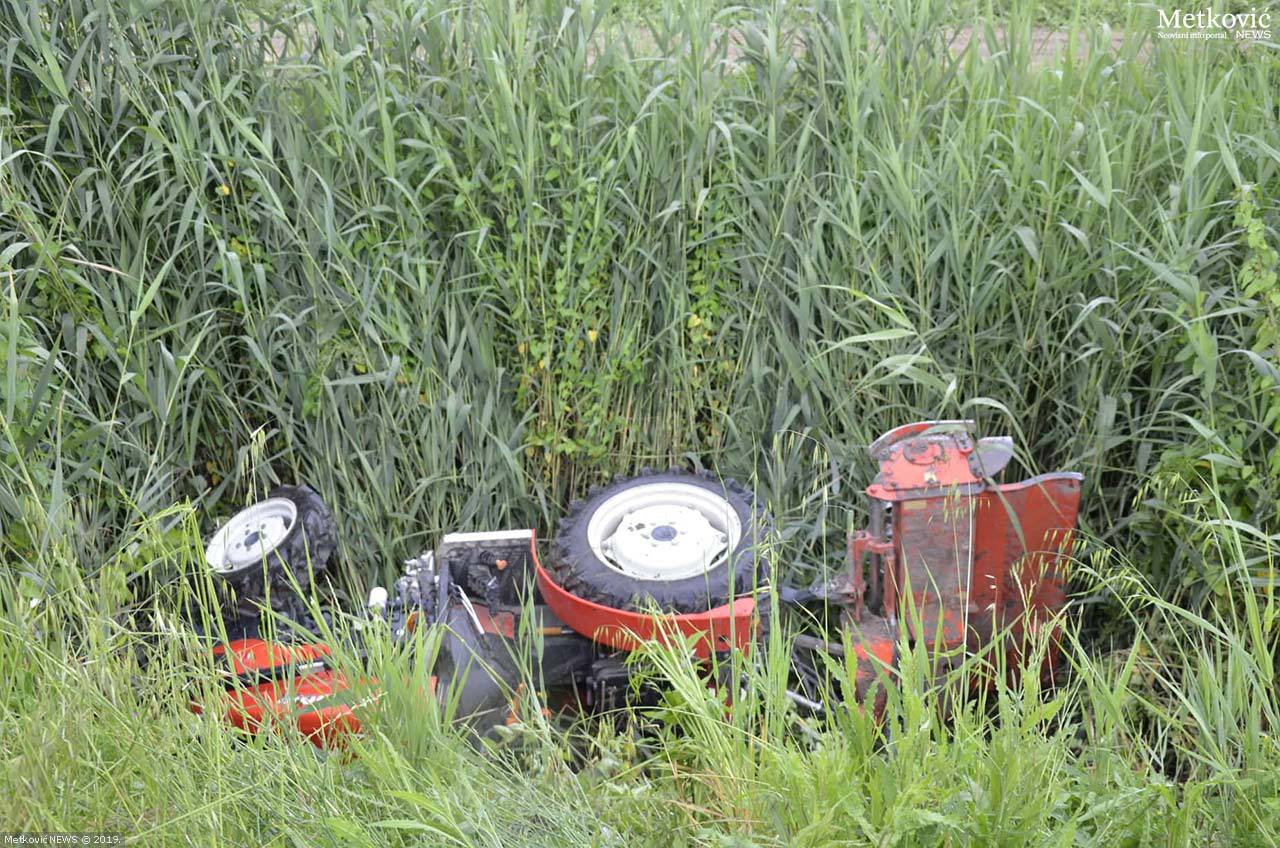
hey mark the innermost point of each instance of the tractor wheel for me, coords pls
(275, 544)
(673, 540)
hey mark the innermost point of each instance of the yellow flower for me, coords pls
(521, 348)
(592, 335)
(694, 321)
(224, 189)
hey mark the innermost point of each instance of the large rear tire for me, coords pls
(678, 541)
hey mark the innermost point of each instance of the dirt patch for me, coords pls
(1048, 45)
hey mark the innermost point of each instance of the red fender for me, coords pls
(733, 625)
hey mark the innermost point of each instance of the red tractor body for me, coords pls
(951, 559)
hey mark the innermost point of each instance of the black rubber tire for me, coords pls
(302, 554)
(576, 568)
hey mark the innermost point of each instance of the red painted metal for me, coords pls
(876, 652)
(287, 702)
(917, 460)
(964, 560)
(256, 655)
(733, 625)
(500, 624)
(1024, 533)
(296, 696)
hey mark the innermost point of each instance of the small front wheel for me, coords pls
(275, 545)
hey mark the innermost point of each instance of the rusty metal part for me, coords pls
(932, 458)
(959, 558)
(874, 646)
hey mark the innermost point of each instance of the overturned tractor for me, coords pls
(952, 559)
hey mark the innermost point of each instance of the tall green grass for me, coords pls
(452, 263)
(1155, 741)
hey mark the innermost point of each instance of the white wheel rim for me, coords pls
(664, 531)
(250, 535)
